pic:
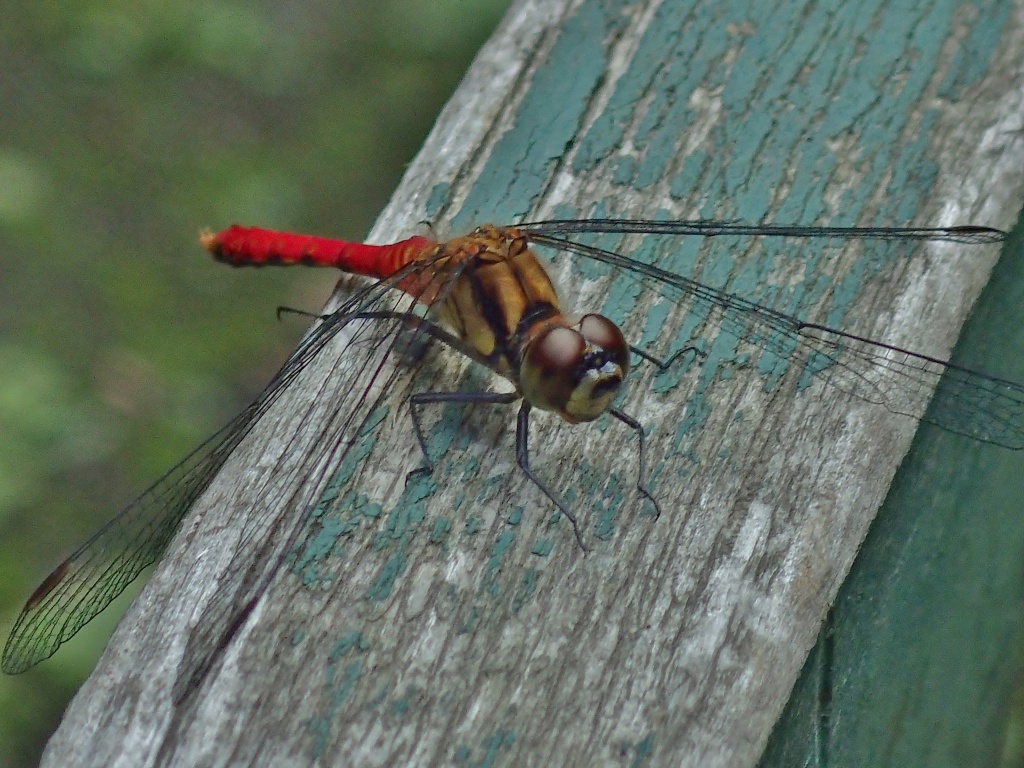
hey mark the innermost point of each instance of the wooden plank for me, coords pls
(922, 642)
(457, 621)
(917, 663)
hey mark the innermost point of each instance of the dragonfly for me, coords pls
(487, 297)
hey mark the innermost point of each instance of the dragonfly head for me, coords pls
(576, 370)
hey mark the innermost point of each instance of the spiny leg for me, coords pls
(664, 365)
(420, 399)
(523, 459)
(641, 480)
(284, 310)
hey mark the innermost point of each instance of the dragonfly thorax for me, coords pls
(575, 370)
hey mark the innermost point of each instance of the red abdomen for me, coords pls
(257, 247)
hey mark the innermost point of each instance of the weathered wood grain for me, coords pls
(456, 621)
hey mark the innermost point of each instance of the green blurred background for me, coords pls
(125, 127)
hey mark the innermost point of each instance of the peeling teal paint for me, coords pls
(403, 520)
(527, 588)
(491, 747)
(610, 502)
(447, 433)
(439, 197)
(346, 643)
(389, 573)
(736, 173)
(489, 488)
(325, 535)
(556, 521)
(439, 533)
(355, 457)
(399, 707)
(642, 750)
(471, 619)
(490, 584)
(547, 119)
(756, 135)
(967, 65)
(543, 547)
(338, 512)
(341, 680)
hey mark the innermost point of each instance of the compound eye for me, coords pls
(575, 371)
(550, 368)
(604, 334)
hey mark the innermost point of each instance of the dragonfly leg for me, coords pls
(641, 480)
(420, 399)
(523, 459)
(664, 365)
(282, 310)
(416, 323)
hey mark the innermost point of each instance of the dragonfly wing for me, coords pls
(94, 575)
(556, 228)
(333, 446)
(962, 401)
(87, 581)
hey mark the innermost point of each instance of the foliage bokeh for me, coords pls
(124, 129)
